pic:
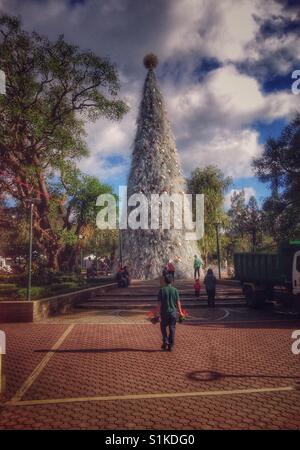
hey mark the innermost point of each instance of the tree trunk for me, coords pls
(47, 243)
(53, 260)
(68, 257)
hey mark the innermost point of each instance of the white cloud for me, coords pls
(211, 120)
(185, 30)
(108, 138)
(96, 165)
(230, 97)
(231, 150)
(235, 28)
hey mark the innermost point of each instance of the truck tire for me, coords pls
(254, 299)
(270, 293)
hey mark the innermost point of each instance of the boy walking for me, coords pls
(168, 303)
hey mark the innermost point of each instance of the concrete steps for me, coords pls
(143, 296)
(145, 307)
(146, 304)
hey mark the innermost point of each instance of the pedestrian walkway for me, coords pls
(225, 372)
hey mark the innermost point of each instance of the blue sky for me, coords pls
(225, 73)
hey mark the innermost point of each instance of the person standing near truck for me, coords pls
(210, 282)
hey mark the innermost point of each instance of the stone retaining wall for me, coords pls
(35, 310)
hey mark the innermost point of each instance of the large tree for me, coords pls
(75, 217)
(211, 182)
(279, 166)
(246, 224)
(52, 89)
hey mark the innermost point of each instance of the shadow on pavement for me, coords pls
(97, 350)
(263, 323)
(208, 375)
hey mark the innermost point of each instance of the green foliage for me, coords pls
(47, 277)
(102, 242)
(11, 279)
(7, 285)
(279, 166)
(85, 191)
(41, 275)
(247, 229)
(53, 89)
(14, 231)
(8, 290)
(92, 281)
(211, 182)
(68, 237)
(63, 287)
(48, 291)
(66, 277)
(36, 292)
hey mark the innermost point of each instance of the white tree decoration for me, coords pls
(155, 168)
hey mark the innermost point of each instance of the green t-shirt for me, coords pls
(168, 297)
(197, 263)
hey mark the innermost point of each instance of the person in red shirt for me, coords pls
(197, 287)
(171, 269)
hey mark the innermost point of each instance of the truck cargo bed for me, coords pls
(258, 267)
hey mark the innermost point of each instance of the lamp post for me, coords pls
(2, 361)
(120, 248)
(81, 237)
(30, 249)
(218, 249)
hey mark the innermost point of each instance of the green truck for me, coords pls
(261, 273)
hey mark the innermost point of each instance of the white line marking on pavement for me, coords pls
(40, 367)
(227, 313)
(151, 396)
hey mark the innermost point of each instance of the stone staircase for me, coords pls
(143, 296)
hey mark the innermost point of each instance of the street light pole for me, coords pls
(218, 250)
(120, 248)
(81, 237)
(30, 252)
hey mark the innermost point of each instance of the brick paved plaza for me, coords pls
(232, 368)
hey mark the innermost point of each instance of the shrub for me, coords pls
(66, 277)
(8, 289)
(43, 276)
(100, 280)
(12, 278)
(63, 287)
(35, 292)
(7, 285)
(47, 291)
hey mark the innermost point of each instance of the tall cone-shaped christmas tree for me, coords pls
(155, 169)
